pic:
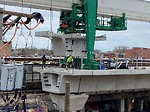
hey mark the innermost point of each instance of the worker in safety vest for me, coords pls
(113, 59)
(69, 61)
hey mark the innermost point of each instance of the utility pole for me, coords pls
(1, 26)
(67, 97)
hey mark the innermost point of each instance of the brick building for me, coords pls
(111, 54)
(138, 52)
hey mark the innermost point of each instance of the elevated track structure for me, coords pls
(134, 9)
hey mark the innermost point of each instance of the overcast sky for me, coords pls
(137, 35)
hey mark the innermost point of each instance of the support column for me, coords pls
(122, 105)
(141, 105)
(90, 7)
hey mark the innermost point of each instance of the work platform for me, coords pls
(94, 81)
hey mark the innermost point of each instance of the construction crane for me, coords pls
(83, 19)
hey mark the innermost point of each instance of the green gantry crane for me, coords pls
(83, 19)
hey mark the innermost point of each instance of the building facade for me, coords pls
(138, 52)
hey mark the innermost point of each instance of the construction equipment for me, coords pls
(8, 25)
(83, 19)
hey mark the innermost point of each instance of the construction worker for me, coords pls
(113, 59)
(69, 61)
(63, 25)
(102, 66)
(108, 63)
(43, 61)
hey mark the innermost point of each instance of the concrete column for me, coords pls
(141, 105)
(122, 105)
(1, 26)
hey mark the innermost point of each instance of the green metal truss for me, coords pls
(73, 19)
(111, 24)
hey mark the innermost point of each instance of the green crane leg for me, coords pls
(90, 22)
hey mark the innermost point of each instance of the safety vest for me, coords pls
(70, 59)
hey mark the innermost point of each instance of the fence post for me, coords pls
(67, 97)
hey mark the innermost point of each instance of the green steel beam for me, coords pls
(90, 22)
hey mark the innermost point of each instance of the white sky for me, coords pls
(137, 35)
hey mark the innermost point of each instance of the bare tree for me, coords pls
(120, 49)
(31, 52)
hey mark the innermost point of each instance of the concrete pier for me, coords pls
(122, 105)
